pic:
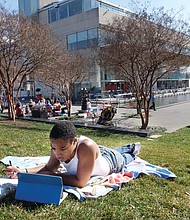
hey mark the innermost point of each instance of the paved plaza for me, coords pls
(171, 117)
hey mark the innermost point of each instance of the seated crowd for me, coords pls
(53, 109)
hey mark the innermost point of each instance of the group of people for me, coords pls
(82, 157)
(53, 107)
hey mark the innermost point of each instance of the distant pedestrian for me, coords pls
(88, 106)
(153, 99)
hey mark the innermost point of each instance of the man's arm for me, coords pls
(49, 168)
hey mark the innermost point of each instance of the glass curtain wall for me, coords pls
(82, 39)
(63, 11)
(69, 9)
(74, 7)
(28, 7)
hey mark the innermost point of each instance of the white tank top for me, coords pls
(101, 166)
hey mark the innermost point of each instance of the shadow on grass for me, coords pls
(9, 200)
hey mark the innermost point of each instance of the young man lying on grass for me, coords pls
(81, 157)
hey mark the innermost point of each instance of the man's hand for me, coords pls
(12, 172)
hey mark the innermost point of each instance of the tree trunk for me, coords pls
(69, 105)
(11, 109)
(11, 106)
(144, 117)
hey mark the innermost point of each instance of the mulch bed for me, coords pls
(16, 123)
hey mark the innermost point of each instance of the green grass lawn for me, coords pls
(147, 197)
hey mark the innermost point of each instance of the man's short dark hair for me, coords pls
(65, 130)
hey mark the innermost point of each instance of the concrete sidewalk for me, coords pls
(172, 117)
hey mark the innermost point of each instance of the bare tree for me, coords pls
(66, 72)
(25, 47)
(142, 48)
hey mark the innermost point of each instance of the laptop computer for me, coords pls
(40, 188)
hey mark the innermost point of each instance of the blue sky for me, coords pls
(168, 4)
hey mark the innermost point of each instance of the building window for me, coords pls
(53, 15)
(87, 5)
(72, 42)
(75, 7)
(63, 11)
(92, 37)
(78, 6)
(82, 40)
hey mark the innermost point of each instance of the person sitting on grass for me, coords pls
(49, 107)
(81, 157)
(19, 110)
(56, 107)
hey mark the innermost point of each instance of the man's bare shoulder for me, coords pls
(87, 146)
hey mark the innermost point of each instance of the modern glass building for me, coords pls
(79, 23)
